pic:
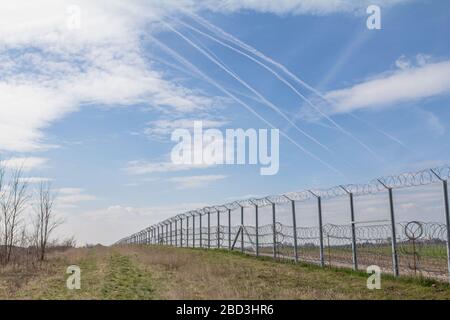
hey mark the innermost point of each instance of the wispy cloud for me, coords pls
(117, 221)
(35, 180)
(190, 182)
(297, 7)
(164, 127)
(71, 197)
(406, 84)
(25, 163)
(136, 167)
(49, 70)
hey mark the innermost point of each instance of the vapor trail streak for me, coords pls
(257, 53)
(194, 69)
(236, 77)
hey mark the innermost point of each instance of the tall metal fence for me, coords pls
(400, 223)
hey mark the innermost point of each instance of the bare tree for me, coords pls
(2, 196)
(45, 219)
(13, 202)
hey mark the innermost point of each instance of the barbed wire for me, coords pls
(403, 180)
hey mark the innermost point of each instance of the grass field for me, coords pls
(145, 272)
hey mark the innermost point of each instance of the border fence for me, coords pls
(404, 232)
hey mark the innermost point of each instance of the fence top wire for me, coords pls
(403, 180)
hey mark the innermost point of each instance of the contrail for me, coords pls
(257, 53)
(194, 69)
(382, 132)
(236, 77)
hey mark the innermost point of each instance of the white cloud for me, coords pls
(190, 182)
(117, 221)
(26, 163)
(403, 63)
(164, 127)
(316, 7)
(48, 70)
(35, 180)
(410, 84)
(136, 167)
(71, 197)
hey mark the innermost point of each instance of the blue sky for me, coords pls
(93, 108)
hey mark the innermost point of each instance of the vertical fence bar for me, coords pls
(158, 236)
(256, 230)
(176, 233)
(319, 212)
(354, 248)
(209, 230)
(229, 229)
(201, 231)
(394, 235)
(353, 228)
(242, 230)
(393, 231)
(187, 232)
(171, 238)
(193, 231)
(167, 233)
(181, 232)
(447, 221)
(447, 218)
(274, 221)
(319, 208)
(294, 224)
(218, 229)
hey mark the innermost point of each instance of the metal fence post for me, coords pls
(176, 233)
(294, 224)
(274, 220)
(170, 229)
(447, 217)
(218, 229)
(256, 230)
(201, 231)
(229, 229)
(181, 232)
(393, 231)
(167, 233)
(319, 206)
(193, 231)
(394, 235)
(159, 234)
(353, 227)
(242, 226)
(447, 222)
(354, 248)
(319, 211)
(187, 231)
(209, 230)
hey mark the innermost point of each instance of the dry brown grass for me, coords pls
(148, 272)
(201, 274)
